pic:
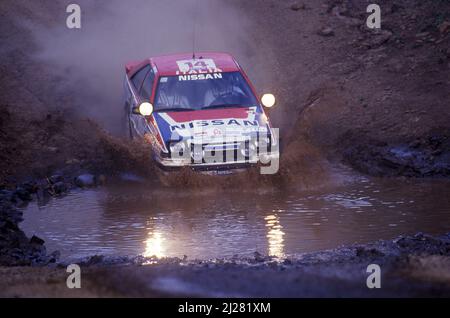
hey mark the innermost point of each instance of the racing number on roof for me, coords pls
(197, 66)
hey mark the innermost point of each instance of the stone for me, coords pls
(35, 240)
(379, 38)
(298, 6)
(327, 31)
(55, 178)
(444, 27)
(101, 179)
(85, 180)
(23, 194)
(52, 149)
(59, 187)
(422, 34)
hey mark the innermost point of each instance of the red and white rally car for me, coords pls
(199, 111)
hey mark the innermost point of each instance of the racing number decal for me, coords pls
(197, 66)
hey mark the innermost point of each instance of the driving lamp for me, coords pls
(145, 109)
(268, 100)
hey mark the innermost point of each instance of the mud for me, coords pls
(427, 156)
(412, 266)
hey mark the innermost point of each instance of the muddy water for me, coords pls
(131, 219)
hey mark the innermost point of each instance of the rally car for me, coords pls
(199, 111)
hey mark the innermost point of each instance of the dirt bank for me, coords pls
(415, 266)
(378, 100)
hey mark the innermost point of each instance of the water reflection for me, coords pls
(275, 236)
(130, 220)
(154, 245)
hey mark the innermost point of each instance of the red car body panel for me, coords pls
(169, 65)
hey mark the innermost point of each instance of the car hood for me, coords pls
(211, 125)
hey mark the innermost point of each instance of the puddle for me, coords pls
(132, 219)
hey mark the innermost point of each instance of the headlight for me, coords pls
(268, 100)
(145, 109)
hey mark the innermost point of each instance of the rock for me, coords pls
(131, 177)
(379, 38)
(447, 53)
(352, 21)
(93, 260)
(342, 14)
(364, 252)
(85, 180)
(298, 6)
(287, 262)
(59, 187)
(258, 257)
(54, 257)
(395, 66)
(36, 240)
(55, 178)
(395, 8)
(422, 34)
(52, 149)
(327, 31)
(444, 27)
(101, 179)
(6, 194)
(22, 194)
(72, 161)
(31, 187)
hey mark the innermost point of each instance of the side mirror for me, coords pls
(268, 100)
(144, 109)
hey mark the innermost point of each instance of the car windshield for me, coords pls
(203, 91)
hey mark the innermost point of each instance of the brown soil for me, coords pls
(359, 89)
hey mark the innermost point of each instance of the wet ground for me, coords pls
(129, 218)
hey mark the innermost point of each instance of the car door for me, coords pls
(138, 122)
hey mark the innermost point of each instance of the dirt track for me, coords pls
(355, 95)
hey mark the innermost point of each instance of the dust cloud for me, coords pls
(90, 61)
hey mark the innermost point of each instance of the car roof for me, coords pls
(169, 65)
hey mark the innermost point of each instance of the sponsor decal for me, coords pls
(199, 77)
(215, 122)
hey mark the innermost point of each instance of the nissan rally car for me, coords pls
(200, 112)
